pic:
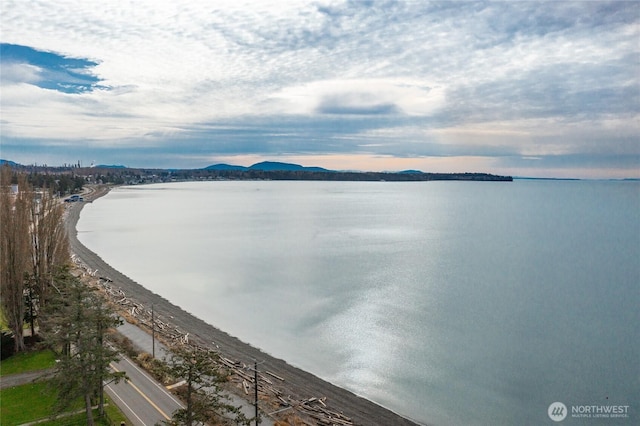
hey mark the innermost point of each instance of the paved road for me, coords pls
(143, 341)
(143, 400)
(12, 380)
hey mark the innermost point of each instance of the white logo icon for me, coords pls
(557, 411)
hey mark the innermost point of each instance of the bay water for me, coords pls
(451, 303)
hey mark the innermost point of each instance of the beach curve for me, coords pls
(298, 383)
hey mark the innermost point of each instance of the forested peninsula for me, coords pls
(72, 175)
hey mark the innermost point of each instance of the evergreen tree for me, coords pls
(75, 323)
(202, 391)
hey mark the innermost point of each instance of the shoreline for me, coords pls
(298, 384)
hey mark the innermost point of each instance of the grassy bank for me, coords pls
(25, 403)
(34, 402)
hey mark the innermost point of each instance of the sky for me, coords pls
(540, 89)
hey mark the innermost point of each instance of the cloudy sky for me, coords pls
(521, 88)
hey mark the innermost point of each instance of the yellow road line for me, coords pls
(144, 396)
(115, 394)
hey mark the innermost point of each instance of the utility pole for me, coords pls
(255, 388)
(255, 378)
(153, 333)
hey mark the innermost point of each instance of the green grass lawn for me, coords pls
(81, 419)
(25, 403)
(34, 401)
(27, 361)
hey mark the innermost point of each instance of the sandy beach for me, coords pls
(297, 383)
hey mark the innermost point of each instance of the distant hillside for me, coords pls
(11, 163)
(225, 167)
(410, 172)
(110, 166)
(266, 170)
(285, 171)
(267, 166)
(271, 166)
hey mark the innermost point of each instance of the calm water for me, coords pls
(449, 302)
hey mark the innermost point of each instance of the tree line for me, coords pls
(64, 180)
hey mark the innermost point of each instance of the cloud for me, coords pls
(46, 70)
(359, 97)
(14, 73)
(493, 79)
(355, 103)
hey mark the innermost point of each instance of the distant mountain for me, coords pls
(409, 172)
(225, 167)
(110, 166)
(268, 166)
(11, 163)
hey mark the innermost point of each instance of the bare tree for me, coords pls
(49, 248)
(14, 252)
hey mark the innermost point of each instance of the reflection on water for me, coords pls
(448, 302)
